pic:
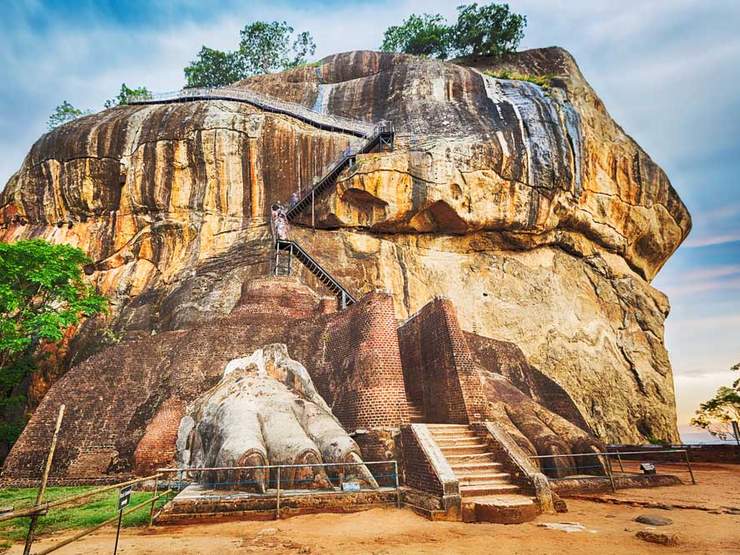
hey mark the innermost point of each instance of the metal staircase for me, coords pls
(382, 136)
(285, 250)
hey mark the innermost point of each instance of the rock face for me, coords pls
(530, 209)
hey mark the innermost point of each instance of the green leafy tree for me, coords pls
(268, 47)
(718, 413)
(64, 113)
(214, 68)
(421, 35)
(42, 294)
(491, 30)
(264, 48)
(127, 94)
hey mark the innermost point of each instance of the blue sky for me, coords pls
(668, 71)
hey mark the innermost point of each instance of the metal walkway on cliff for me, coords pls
(382, 136)
(285, 250)
(267, 103)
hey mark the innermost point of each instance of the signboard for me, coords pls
(124, 497)
(351, 486)
(647, 468)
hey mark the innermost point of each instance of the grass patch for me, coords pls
(87, 514)
(544, 81)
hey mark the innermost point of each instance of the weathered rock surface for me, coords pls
(266, 410)
(531, 210)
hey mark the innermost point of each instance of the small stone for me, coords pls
(653, 520)
(657, 537)
(267, 532)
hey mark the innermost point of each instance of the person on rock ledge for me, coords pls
(279, 220)
(293, 199)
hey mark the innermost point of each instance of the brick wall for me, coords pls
(438, 366)
(362, 372)
(118, 420)
(418, 472)
(157, 447)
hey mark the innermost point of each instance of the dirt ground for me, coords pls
(609, 528)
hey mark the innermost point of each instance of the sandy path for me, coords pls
(609, 529)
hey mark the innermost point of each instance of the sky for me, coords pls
(667, 70)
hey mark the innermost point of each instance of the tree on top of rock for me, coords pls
(491, 30)
(487, 30)
(64, 113)
(421, 35)
(263, 48)
(127, 94)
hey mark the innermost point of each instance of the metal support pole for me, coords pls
(688, 463)
(313, 219)
(609, 470)
(398, 486)
(619, 458)
(44, 479)
(277, 503)
(118, 531)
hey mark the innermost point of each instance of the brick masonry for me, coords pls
(438, 367)
(123, 403)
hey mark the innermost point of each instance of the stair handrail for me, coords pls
(264, 101)
(381, 128)
(281, 244)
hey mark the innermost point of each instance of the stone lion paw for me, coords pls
(266, 411)
(541, 432)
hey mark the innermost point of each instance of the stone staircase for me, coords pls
(416, 412)
(488, 492)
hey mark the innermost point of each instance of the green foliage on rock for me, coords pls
(421, 35)
(718, 413)
(263, 48)
(127, 94)
(544, 81)
(64, 113)
(213, 68)
(42, 294)
(490, 30)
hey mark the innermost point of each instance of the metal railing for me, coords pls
(45, 508)
(629, 462)
(281, 481)
(264, 102)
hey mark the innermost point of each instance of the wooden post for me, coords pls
(154, 500)
(619, 458)
(688, 463)
(44, 479)
(398, 485)
(609, 470)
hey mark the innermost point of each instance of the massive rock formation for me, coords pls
(528, 207)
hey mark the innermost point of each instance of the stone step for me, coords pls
(449, 427)
(460, 442)
(502, 509)
(464, 469)
(483, 478)
(488, 488)
(464, 459)
(478, 449)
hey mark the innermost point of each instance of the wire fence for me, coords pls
(279, 481)
(80, 501)
(615, 464)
